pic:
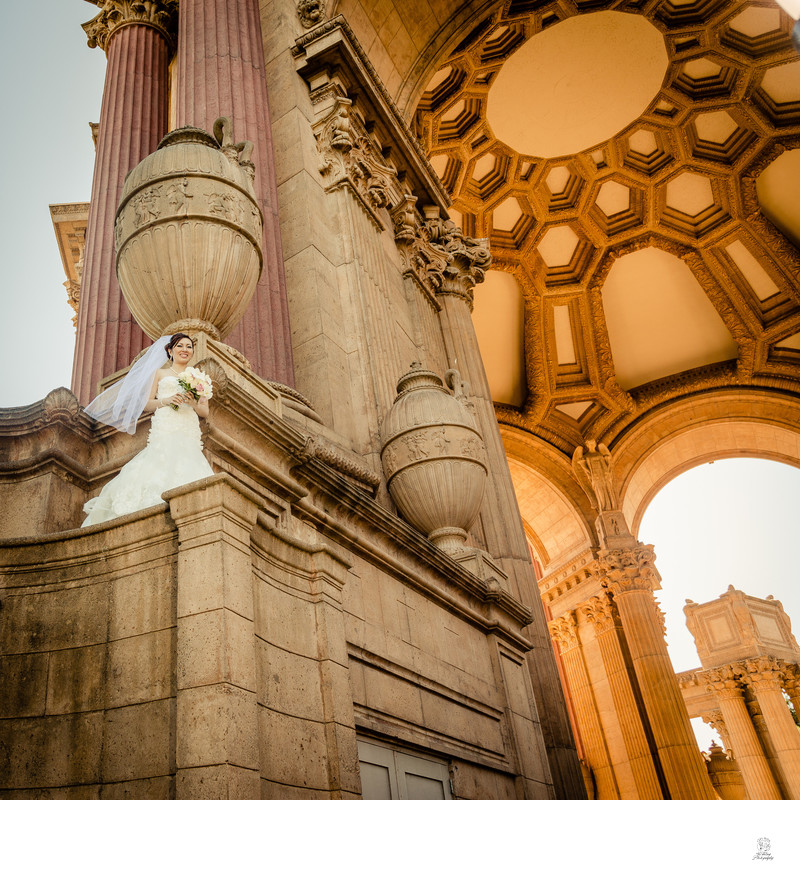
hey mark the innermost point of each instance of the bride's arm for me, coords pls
(155, 403)
(201, 407)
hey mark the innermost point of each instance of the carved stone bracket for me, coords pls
(115, 14)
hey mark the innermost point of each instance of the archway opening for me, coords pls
(731, 521)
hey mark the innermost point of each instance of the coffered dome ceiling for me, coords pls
(636, 169)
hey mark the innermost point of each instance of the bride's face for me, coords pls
(183, 350)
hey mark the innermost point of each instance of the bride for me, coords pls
(174, 451)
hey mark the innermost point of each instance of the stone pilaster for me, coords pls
(601, 612)
(629, 575)
(220, 71)
(217, 738)
(744, 742)
(133, 118)
(564, 632)
(765, 676)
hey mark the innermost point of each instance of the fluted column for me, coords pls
(220, 71)
(133, 119)
(628, 574)
(764, 675)
(601, 612)
(744, 741)
(564, 632)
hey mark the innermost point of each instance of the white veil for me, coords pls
(122, 403)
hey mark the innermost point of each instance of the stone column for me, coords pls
(744, 743)
(217, 740)
(764, 675)
(628, 574)
(600, 610)
(133, 118)
(220, 71)
(564, 632)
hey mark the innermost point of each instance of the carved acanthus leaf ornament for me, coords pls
(626, 570)
(601, 612)
(114, 14)
(564, 632)
(437, 253)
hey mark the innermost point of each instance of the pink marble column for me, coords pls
(133, 119)
(220, 71)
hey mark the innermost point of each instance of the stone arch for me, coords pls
(735, 423)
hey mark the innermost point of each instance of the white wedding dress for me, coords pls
(173, 456)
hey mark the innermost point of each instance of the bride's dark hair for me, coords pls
(174, 340)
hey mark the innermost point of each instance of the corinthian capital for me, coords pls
(624, 570)
(467, 260)
(764, 673)
(601, 612)
(114, 14)
(722, 681)
(564, 632)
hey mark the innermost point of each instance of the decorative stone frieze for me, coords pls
(434, 458)
(192, 199)
(624, 570)
(162, 15)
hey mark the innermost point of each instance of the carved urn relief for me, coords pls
(188, 234)
(434, 458)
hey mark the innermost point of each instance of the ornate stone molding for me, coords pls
(625, 570)
(162, 15)
(350, 157)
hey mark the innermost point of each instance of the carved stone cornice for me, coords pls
(602, 612)
(564, 632)
(626, 570)
(162, 15)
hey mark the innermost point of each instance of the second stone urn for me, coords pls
(434, 458)
(188, 234)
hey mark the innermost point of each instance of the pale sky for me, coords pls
(731, 522)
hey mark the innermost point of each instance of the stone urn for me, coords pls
(434, 458)
(188, 234)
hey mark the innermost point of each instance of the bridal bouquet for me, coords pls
(196, 383)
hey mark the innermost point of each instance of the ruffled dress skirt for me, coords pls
(173, 457)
